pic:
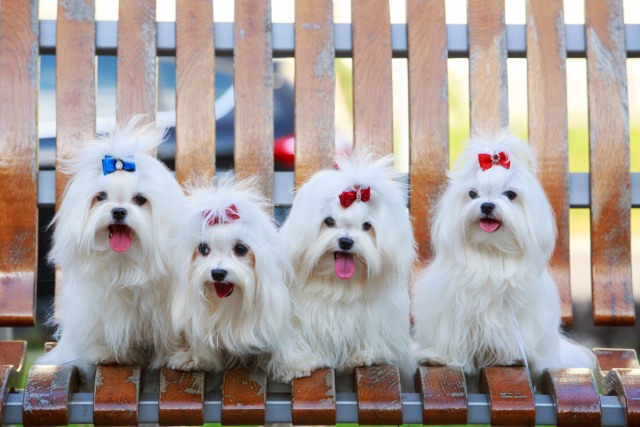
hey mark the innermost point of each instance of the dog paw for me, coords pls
(183, 361)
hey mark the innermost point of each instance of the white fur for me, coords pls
(112, 307)
(462, 307)
(363, 320)
(246, 326)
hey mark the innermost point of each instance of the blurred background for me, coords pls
(284, 11)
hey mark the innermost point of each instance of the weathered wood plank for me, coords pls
(576, 396)
(19, 164)
(372, 83)
(510, 395)
(609, 164)
(115, 396)
(244, 395)
(195, 90)
(379, 395)
(428, 114)
(314, 88)
(181, 398)
(313, 398)
(444, 394)
(46, 395)
(253, 88)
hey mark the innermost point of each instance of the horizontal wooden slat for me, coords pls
(444, 394)
(576, 396)
(116, 393)
(379, 395)
(13, 353)
(46, 395)
(313, 398)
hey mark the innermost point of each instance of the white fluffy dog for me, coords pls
(231, 304)
(111, 241)
(487, 298)
(350, 241)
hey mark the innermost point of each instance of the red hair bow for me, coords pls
(230, 214)
(348, 197)
(488, 160)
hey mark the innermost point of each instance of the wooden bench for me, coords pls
(568, 396)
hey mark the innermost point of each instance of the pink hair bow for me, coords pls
(230, 214)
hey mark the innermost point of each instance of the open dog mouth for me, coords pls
(223, 290)
(344, 265)
(119, 237)
(489, 224)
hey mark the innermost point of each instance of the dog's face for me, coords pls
(223, 265)
(349, 228)
(496, 210)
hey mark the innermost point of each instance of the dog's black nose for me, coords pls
(118, 213)
(345, 243)
(218, 274)
(487, 207)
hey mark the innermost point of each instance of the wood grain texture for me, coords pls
(244, 395)
(487, 65)
(548, 126)
(253, 88)
(195, 90)
(428, 114)
(181, 398)
(575, 394)
(444, 394)
(136, 73)
(313, 398)
(13, 353)
(372, 83)
(379, 395)
(115, 396)
(314, 88)
(510, 395)
(46, 394)
(7, 373)
(75, 81)
(608, 359)
(609, 164)
(18, 164)
(625, 383)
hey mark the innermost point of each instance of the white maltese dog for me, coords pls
(350, 241)
(231, 304)
(487, 298)
(111, 241)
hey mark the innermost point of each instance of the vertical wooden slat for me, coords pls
(136, 74)
(379, 395)
(609, 163)
(575, 395)
(428, 113)
(444, 394)
(195, 90)
(19, 161)
(487, 65)
(510, 396)
(181, 398)
(313, 398)
(244, 394)
(46, 395)
(75, 87)
(548, 126)
(314, 88)
(253, 88)
(372, 84)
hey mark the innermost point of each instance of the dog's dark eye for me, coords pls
(203, 248)
(329, 222)
(101, 196)
(240, 249)
(510, 194)
(366, 226)
(139, 200)
(473, 194)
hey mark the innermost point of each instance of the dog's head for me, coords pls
(118, 210)
(230, 252)
(350, 226)
(494, 204)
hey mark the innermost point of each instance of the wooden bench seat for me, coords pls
(51, 395)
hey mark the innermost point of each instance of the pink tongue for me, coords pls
(223, 290)
(344, 265)
(120, 239)
(489, 225)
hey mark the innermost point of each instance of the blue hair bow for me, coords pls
(111, 164)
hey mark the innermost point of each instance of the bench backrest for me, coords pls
(314, 41)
